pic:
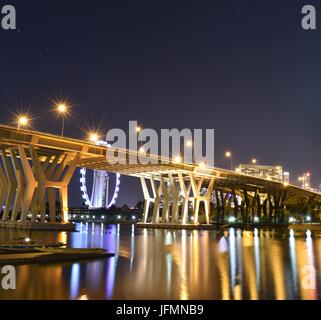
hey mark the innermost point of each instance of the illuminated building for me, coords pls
(274, 173)
(305, 181)
(286, 177)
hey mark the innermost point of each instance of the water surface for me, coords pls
(174, 264)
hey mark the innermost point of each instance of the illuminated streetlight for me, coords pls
(62, 110)
(229, 155)
(93, 137)
(254, 161)
(23, 121)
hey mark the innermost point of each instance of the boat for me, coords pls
(98, 251)
(26, 246)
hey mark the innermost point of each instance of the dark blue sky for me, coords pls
(244, 68)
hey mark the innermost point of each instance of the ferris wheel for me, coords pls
(100, 191)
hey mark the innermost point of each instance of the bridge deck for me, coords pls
(94, 157)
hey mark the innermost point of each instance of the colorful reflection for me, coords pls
(177, 264)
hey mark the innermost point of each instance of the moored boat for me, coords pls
(26, 246)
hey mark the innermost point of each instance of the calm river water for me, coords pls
(163, 264)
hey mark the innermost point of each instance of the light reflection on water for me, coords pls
(174, 264)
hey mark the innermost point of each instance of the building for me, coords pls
(286, 177)
(305, 181)
(85, 214)
(274, 173)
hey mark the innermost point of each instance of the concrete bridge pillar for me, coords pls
(173, 194)
(23, 188)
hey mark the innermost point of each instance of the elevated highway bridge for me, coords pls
(37, 167)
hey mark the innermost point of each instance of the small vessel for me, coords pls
(26, 246)
(76, 251)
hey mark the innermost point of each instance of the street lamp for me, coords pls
(62, 110)
(229, 155)
(22, 121)
(93, 137)
(254, 161)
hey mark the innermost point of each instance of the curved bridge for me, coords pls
(37, 167)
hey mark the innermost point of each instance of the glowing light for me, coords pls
(27, 239)
(308, 218)
(142, 150)
(133, 217)
(103, 217)
(291, 219)
(23, 121)
(189, 143)
(254, 161)
(119, 217)
(256, 219)
(202, 165)
(62, 108)
(177, 159)
(138, 129)
(231, 219)
(93, 137)
(285, 184)
(228, 154)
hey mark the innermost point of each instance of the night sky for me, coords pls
(245, 68)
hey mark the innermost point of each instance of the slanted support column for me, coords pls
(207, 201)
(64, 190)
(158, 191)
(185, 194)
(31, 184)
(56, 177)
(21, 185)
(148, 199)
(12, 185)
(174, 192)
(3, 186)
(196, 188)
(198, 198)
(165, 194)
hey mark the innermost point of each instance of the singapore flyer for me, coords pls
(100, 192)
